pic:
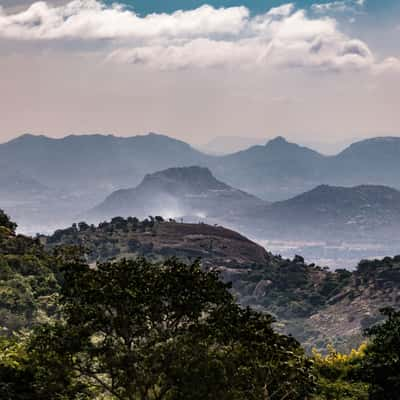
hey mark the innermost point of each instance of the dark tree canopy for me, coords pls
(6, 222)
(382, 361)
(136, 330)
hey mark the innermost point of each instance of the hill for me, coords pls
(330, 212)
(190, 192)
(373, 161)
(314, 304)
(155, 237)
(79, 171)
(277, 170)
(359, 214)
(95, 161)
(280, 169)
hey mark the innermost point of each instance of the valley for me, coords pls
(332, 254)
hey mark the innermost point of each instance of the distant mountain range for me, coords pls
(275, 171)
(78, 172)
(223, 145)
(280, 170)
(96, 162)
(326, 212)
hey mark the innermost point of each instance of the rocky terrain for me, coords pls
(214, 245)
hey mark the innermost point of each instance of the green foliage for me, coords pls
(382, 361)
(295, 289)
(289, 289)
(16, 379)
(5, 222)
(108, 240)
(170, 331)
(136, 330)
(29, 281)
(21, 375)
(339, 375)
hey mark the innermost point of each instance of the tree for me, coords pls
(16, 379)
(338, 375)
(6, 222)
(382, 361)
(135, 330)
(23, 378)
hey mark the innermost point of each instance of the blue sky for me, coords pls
(146, 6)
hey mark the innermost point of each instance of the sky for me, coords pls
(312, 71)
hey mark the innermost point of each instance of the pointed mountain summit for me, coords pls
(282, 148)
(279, 141)
(277, 170)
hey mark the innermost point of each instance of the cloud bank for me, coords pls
(201, 38)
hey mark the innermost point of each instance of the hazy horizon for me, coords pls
(221, 145)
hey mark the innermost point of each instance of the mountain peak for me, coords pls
(278, 141)
(176, 192)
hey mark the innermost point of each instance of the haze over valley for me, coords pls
(334, 210)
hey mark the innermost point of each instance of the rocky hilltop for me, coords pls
(214, 245)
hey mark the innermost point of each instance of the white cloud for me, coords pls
(390, 64)
(91, 19)
(203, 37)
(282, 11)
(338, 6)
